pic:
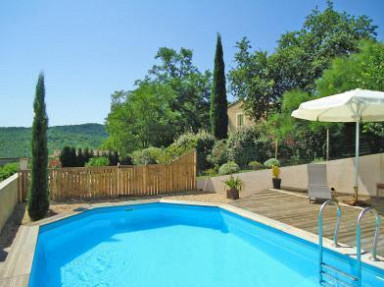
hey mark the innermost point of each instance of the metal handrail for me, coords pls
(336, 232)
(335, 235)
(376, 236)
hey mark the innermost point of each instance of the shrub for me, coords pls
(169, 154)
(126, 161)
(255, 165)
(271, 162)
(98, 161)
(244, 145)
(146, 156)
(229, 168)
(203, 143)
(219, 154)
(210, 172)
(8, 170)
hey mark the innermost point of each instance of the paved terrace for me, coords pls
(295, 210)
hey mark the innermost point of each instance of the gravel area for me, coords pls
(60, 207)
(10, 229)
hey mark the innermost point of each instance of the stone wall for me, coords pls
(340, 175)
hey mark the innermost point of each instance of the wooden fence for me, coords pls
(114, 181)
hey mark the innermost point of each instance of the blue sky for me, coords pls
(90, 48)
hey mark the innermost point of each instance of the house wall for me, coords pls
(340, 175)
(8, 198)
(232, 111)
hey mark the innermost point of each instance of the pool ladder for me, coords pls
(327, 273)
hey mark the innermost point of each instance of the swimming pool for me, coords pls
(165, 245)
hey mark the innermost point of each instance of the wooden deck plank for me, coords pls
(298, 212)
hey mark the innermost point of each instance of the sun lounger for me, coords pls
(318, 188)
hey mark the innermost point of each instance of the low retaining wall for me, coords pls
(340, 175)
(8, 198)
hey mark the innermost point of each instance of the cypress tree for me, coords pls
(80, 158)
(38, 202)
(65, 157)
(219, 105)
(72, 157)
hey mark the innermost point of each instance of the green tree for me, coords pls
(80, 158)
(72, 157)
(141, 118)
(299, 59)
(38, 203)
(219, 104)
(250, 81)
(65, 157)
(191, 87)
(87, 154)
(364, 70)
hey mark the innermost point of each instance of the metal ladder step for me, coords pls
(345, 274)
(327, 279)
(333, 279)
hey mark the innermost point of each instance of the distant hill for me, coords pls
(15, 142)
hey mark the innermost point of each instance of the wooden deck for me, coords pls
(295, 210)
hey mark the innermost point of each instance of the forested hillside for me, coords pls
(15, 142)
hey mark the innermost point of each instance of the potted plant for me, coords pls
(234, 186)
(276, 180)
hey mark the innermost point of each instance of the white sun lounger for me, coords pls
(318, 188)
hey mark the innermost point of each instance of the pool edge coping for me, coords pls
(14, 271)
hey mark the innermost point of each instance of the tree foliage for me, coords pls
(97, 161)
(191, 87)
(15, 141)
(246, 145)
(38, 203)
(300, 58)
(8, 170)
(173, 93)
(141, 118)
(219, 104)
(364, 70)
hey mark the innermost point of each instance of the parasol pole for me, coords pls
(356, 187)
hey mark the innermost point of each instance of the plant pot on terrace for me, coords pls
(234, 186)
(276, 180)
(233, 193)
(276, 183)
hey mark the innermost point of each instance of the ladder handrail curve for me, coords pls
(377, 232)
(336, 232)
(335, 235)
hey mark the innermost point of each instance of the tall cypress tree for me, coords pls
(72, 157)
(38, 203)
(219, 105)
(65, 157)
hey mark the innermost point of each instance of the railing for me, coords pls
(106, 182)
(358, 236)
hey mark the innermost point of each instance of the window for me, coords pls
(239, 120)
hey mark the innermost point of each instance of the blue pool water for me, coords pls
(170, 245)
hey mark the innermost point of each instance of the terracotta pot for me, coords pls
(276, 182)
(233, 193)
